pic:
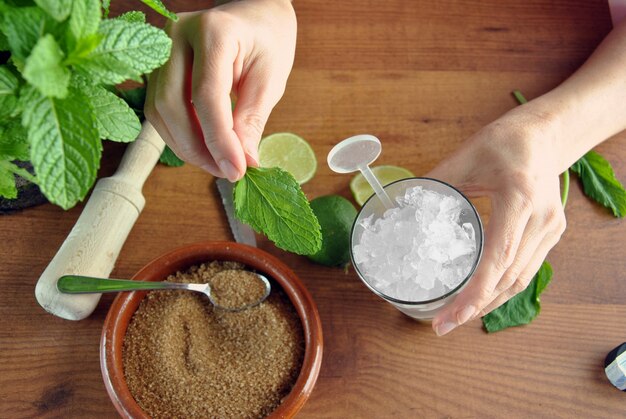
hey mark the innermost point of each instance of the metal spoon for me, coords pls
(76, 284)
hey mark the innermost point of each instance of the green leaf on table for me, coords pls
(159, 7)
(600, 183)
(83, 23)
(44, 68)
(58, 9)
(168, 158)
(115, 120)
(271, 202)
(23, 26)
(133, 16)
(522, 308)
(7, 180)
(65, 145)
(13, 141)
(127, 51)
(8, 92)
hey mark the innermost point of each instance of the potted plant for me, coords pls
(60, 63)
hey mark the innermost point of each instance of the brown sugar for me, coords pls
(234, 288)
(183, 358)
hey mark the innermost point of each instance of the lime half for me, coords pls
(361, 190)
(290, 152)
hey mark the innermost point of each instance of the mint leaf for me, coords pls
(115, 120)
(159, 7)
(127, 50)
(133, 17)
(8, 92)
(13, 141)
(83, 23)
(106, 4)
(169, 158)
(271, 202)
(58, 9)
(23, 27)
(7, 181)
(44, 68)
(4, 42)
(522, 308)
(135, 98)
(65, 146)
(599, 182)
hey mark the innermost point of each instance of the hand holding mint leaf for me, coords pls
(271, 202)
(601, 185)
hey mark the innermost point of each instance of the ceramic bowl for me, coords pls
(125, 304)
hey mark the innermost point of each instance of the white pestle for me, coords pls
(357, 153)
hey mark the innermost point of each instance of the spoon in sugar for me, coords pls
(227, 290)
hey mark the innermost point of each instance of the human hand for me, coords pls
(513, 162)
(246, 47)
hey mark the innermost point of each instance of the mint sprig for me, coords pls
(601, 185)
(271, 202)
(56, 93)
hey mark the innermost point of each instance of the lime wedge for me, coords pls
(290, 152)
(361, 190)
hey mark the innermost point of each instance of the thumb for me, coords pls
(254, 104)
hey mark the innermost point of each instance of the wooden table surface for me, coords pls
(422, 76)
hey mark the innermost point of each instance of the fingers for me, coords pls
(172, 100)
(557, 227)
(504, 233)
(211, 84)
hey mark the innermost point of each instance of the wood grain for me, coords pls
(422, 76)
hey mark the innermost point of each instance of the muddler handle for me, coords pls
(94, 243)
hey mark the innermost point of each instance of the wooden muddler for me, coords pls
(94, 243)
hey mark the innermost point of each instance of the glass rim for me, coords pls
(447, 294)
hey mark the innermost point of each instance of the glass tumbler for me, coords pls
(427, 309)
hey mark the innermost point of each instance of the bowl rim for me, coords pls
(125, 304)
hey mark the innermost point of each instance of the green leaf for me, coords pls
(13, 141)
(44, 68)
(7, 181)
(271, 202)
(115, 120)
(4, 42)
(23, 27)
(127, 50)
(83, 23)
(58, 9)
(169, 158)
(8, 92)
(522, 308)
(159, 7)
(65, 146)
(135, 98)
(600, 183)
(106, 4)
(133, 17)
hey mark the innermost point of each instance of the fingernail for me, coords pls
(229, 170)
(444, 328)
(253, 158)
(465, 314)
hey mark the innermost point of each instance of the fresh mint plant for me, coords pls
(601, 185)
(271, 202)
(56, 89)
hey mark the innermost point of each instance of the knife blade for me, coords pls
(242, 233)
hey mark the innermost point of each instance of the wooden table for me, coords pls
(422, 76)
